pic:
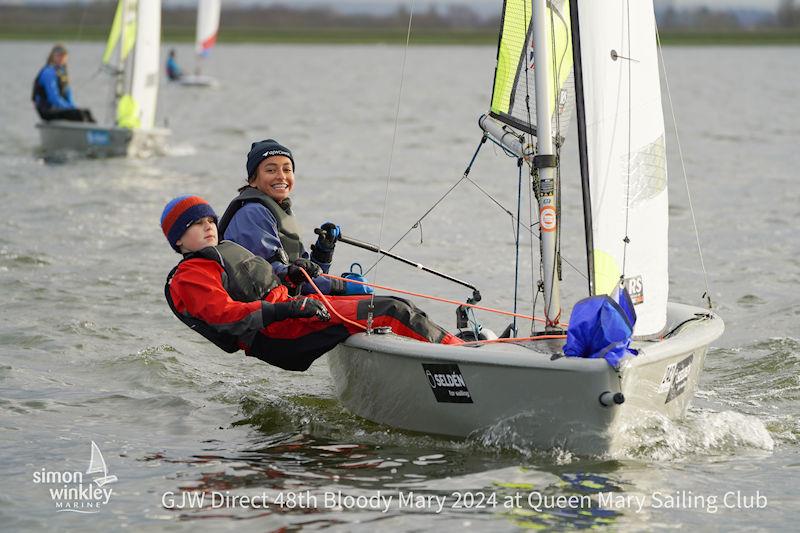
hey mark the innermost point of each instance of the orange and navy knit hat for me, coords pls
(180, 213)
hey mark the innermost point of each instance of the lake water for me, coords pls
(90, 352)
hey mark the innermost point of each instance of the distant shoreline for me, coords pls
(388, 36)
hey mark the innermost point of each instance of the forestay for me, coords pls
(626, 153)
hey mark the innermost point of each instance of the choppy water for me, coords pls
(90, 352)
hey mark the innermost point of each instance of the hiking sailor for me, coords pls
(234, 298)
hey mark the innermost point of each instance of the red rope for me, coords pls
(515, 339)
(472, 343)
(328, 305)
(445, 300)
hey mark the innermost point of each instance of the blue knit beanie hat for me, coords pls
(261, 150)
(180, 213)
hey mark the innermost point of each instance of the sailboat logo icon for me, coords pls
(98, 465)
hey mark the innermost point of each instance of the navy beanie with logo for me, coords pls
(261, 150)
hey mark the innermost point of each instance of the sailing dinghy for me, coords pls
(205, 39)
(598, 59)
(132, 55)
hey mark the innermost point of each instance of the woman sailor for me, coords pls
(260, 219)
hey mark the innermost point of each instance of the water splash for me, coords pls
(702, 432)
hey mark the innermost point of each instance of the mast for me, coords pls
(545, 162)
(580, 108)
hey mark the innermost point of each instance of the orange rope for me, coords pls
(472, 343)
(515, 339)
(328, 304)
(445, 300)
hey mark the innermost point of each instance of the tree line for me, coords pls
(96, 16)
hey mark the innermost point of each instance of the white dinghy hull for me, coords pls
(62, 138)
(538, 398)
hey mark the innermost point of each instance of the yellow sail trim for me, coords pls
(516, 19)
(510, 60)
(559, 47)
(128, 113)
(129, 15)
(606, 272)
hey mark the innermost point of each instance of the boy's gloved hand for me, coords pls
(294, 273)
(301, 308)
(322, 250)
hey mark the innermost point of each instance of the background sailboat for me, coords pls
(132, 56)
(206, 37)
(602, 56)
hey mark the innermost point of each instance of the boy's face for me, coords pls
(200, 234)
(275, 177)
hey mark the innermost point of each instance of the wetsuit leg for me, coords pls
(299, 352)
(294, 344)
(75, 115)
(404, 318)
(401, 315)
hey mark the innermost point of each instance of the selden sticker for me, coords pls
(680, 377)
(447, 383)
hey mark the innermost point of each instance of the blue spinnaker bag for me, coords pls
(355, 288)
(602, 326)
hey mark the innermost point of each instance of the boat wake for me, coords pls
(702, 432)
(652, 438)
(180, 150)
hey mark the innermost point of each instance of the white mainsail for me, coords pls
(135, 36)
(626, 153)
(207, 26)
(146, 61)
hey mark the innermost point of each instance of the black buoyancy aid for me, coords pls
(288, 229)
(39, 91)
(246, 278)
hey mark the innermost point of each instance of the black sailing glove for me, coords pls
(322, 250)
(294, 274)
(300, 308)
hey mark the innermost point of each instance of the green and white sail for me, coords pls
(626, 153)
(123, 33)
(513, 95)
(134, 41)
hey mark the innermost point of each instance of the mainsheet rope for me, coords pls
(332, 309)
(440, 299)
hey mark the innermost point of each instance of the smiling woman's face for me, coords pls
(275, 177)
